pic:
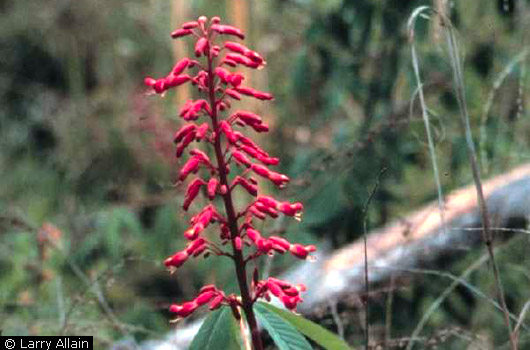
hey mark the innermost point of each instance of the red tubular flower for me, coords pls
(228, 30)
(201, 48)
(201, 131)
(177, 260)
(183, 131)
(300, 251)
(218, 86)
(190, 25)
(191, 193)
(179, 33)
(246, 184)
(233, 94)
(241, 158)
(179, 67)
(260, 95)
(191, 166)
(212, 187)
(183, 310)
(186, 140)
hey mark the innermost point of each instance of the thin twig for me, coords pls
(388, 312)
(366, 280)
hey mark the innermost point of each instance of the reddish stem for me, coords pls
(246, 299)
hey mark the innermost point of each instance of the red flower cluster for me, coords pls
(220, 87)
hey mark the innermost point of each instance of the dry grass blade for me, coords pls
(458, 81)
(489, 102)
(525, 309)
(415, 63)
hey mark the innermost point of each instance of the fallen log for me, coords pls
(412, 242)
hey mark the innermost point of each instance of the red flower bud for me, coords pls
(184, 310)
(249, 187)
(227, 130)
(216, 302)
(254, 93)
(290, 209)
(268, 201)
(265, 209)
(254, 235)
(201, 47)
(278, 179)
(236, 79)
(248, 118)
(202, 20)
(238, 243)
(149, 81)
(190, 25)
(174, 81)
(179, 33)
(185, 142)
(292, 292)
(260, 127)
(264, 245)
(205, 297)
(177, 260)
(243, 50)
(180, 66)
(201, 155)
(300, 251)
(192, 191)
(194, 246)
(191, 166)
(229, 62)
(183, 131)
(236, 47)
(212, 187)
(257, 213)
(223, 74)
(240, 59)
(228, 30)
(201, 131)
(260, 170)
(281, 242)
(274, 289)
(289, 302)
(233, 93)
(241, 158)
(207, 288)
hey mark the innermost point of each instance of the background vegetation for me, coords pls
(87, 207)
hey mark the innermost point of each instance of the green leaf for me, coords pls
(219, 331)
(313, 331)
(282, 332)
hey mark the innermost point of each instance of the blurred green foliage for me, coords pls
(79, 138)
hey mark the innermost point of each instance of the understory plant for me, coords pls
(231, 161)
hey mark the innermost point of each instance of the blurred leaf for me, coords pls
(219, 331)
(282, 332)
(118, 220)
(313, 331)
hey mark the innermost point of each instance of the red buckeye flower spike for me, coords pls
(230, 163)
